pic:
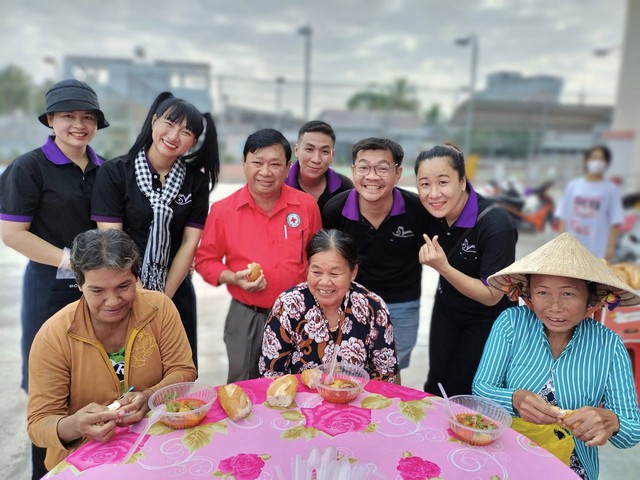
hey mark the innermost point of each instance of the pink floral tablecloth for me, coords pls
(396, 432)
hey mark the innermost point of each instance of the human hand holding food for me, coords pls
(92, 421)
(432, 254)
(135, 407)
(592, 425)
(243, 278)
(533, 408)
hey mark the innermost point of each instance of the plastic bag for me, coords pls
(554, 438)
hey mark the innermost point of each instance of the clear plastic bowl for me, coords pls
(201, 396)
(494, 418)
(349, 381)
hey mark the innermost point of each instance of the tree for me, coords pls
(16, 90)
(399, 96)
(39, 103)
(433, 116)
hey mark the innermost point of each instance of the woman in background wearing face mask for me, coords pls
(590, 208)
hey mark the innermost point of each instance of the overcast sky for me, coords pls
(353, 43)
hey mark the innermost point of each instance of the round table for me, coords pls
(395, 432)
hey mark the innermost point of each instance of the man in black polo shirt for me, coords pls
(387, 223)
(312, 173)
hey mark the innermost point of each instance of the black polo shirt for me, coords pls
(486, 248)
(389, 264)
(118, 199)
(51, 192)
(336, 184)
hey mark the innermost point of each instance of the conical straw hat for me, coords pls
(564, 256)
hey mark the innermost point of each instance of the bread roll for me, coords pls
(234, 401)
(633, 272)
(255, 272)
(282, 391)
(566, 413)
(621, 272)
(311, 377)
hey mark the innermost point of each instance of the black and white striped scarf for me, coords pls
(156, 256)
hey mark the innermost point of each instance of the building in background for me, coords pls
(404, 127)
(522, 118)
(513, 86)
(127, 87)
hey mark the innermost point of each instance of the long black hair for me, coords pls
(176, 110)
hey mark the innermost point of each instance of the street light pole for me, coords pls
(279, 82)
(472, 41)
(306, 32)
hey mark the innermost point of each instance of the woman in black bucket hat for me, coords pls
(45, 198)
(70, 96)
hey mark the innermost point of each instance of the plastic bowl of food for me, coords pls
(185, 404)
(348, 381)
(477, 420)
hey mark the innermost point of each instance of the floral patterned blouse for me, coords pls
(297, 336)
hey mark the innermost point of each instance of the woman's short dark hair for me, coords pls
(379, 144)
(112, 249)
(332, 239)
(606, 153)
(448, 150)
(265, 138)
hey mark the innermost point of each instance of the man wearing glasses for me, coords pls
(387, 222)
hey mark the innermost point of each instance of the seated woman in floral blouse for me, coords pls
(328, 311)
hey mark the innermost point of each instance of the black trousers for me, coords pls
(185, 301)
(38, 470)
(455, 349)
(42, 296)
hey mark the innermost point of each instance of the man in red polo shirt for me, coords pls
(265, 222)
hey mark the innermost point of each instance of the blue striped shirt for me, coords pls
(593, 370)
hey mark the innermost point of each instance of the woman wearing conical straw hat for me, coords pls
(549, 357)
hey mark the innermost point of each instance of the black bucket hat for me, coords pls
(70, 96)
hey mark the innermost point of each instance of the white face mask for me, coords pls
(596, 166)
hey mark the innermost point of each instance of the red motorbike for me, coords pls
(531, 209)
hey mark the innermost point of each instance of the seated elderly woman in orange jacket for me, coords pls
(92, 351)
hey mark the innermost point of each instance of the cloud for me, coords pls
(353, 42)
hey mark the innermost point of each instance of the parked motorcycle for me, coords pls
(531, 209)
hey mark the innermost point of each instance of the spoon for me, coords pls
(156, 413)
(446, 400)
(332, 367)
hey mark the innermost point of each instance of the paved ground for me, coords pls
(212, 307)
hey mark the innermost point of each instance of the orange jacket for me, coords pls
(69, 368)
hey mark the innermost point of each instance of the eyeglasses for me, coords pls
(383, 170)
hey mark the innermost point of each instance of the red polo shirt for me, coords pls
(238, 232)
